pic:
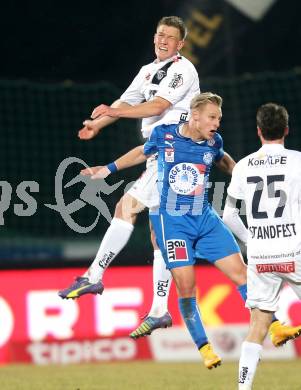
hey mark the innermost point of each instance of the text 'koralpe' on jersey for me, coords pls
(183, 168)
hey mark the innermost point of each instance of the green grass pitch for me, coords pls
(276, 375)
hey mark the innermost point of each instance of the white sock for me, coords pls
(249, 358)
(161, 285)
(115, 239)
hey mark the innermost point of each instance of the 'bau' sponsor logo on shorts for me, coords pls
(176, 250)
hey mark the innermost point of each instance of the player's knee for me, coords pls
(239, 278)
(186, 289)
(257, 332)
(127, 209)
(239, 273)
(119, 210)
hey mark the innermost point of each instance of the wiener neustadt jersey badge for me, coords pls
(208, 158)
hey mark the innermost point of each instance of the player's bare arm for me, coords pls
(92, 127)
(226, 164)
(101, 170)
(134, 157)
(143, 110)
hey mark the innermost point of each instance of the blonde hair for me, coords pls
(204, 98)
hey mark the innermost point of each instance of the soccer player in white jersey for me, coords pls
(269, 182)
(160, 93)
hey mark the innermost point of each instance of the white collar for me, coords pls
(266, 147)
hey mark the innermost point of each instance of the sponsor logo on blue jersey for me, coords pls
(184, 178)
(169, 143)
(169, 155)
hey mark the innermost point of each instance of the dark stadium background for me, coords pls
(61, 59)
(100, 40)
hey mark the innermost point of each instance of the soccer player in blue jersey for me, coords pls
(185, 224)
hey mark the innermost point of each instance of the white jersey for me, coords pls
(175, 80)
(269, 181)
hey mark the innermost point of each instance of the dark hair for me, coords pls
(174, 21)
(272, 119)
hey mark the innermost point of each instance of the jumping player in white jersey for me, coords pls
(269, 182)
(160, 93)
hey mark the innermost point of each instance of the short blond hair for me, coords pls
(204, 98)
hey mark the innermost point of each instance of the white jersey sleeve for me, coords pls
(236, 187)
(233, 221)
(133, 95)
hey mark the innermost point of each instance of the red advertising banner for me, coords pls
(38, 326)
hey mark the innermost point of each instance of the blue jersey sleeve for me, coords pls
(151, 146)
(220, 148)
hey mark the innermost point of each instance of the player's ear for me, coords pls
(180, 45)
(195, 114)
(259, 132)
(286, 131)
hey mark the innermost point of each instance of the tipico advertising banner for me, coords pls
(39, 327)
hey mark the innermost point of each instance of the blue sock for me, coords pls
(243, 292)
(192, 317)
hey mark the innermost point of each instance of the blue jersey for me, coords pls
(183, 168)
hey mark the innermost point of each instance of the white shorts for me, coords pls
(145, 188)
(264, 287)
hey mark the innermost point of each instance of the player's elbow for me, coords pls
(159, 110)
(160, 105)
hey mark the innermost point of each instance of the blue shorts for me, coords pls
(182, 239)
